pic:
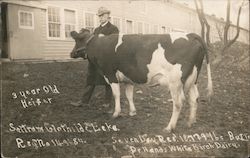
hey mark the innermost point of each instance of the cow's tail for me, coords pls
(209, 77)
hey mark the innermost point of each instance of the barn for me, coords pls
(40, 30)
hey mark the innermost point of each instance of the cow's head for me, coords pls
(81, 40)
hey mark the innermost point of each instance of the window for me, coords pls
(163, 29)
(146, 28)
(70, 22)
(89, 21)
(139, 28)
(117, 22)
(26, 20)
(129, 26)
(61, 22)
(143, 7)
(168, 29)
(54, 22)
(155, 29)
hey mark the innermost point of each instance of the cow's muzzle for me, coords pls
(80, 52)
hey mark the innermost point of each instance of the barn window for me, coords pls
(143, 7)
(163, 29)
(70, 22)
(155, 29)
(129, 26)
(168, 29)
(146, 29)
(54, 22)
(89, 21)
(26, 19)
(139, 28)
(117, 22)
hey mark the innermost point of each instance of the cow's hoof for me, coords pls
(115, 114)
(190, 123)
(168, 129)
(111, 111)
(132, 113)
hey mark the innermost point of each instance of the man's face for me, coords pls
(103, 18)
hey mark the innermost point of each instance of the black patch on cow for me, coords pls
(135, 53)
(185, 52)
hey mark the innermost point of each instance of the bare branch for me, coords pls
(206, 24)
(200, 19)
(238, 29)
(227, 24)
(203, 22)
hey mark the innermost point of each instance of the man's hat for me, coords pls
(103, 10)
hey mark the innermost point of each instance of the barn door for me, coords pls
(24, 32)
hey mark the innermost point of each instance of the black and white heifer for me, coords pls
(173, 60)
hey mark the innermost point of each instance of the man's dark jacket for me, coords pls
(93, 77)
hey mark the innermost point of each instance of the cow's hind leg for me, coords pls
(177, 94)
(129, 90)
(193, 95)
(116, 93)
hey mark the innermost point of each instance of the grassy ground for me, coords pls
(228, 111)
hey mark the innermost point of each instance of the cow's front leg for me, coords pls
(116, 93)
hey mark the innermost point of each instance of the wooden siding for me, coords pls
(169, 15)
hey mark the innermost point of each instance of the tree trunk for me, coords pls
(206, 27)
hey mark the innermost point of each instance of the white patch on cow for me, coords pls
(164, 73)
(191, 79)
(209, 83)
(119, 41)
(106, 79)
(122, 78)
(177, 35)
(161, 71)
(101, 35)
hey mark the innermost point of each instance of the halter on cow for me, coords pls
(171, 60)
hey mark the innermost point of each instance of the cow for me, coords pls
(172, 60)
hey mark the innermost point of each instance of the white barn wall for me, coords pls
(172, 16)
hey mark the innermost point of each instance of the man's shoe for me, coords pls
(77, 104)
(106, 105)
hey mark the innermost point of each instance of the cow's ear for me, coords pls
(83, 30)
(74, 34)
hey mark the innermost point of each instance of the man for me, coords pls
(93, 77)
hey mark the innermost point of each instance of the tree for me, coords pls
(205, 29)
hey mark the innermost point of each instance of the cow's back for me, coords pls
(133, 53)
(136, 51)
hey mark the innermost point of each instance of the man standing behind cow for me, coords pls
(93, 77)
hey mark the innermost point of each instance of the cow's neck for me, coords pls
(90, 38)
